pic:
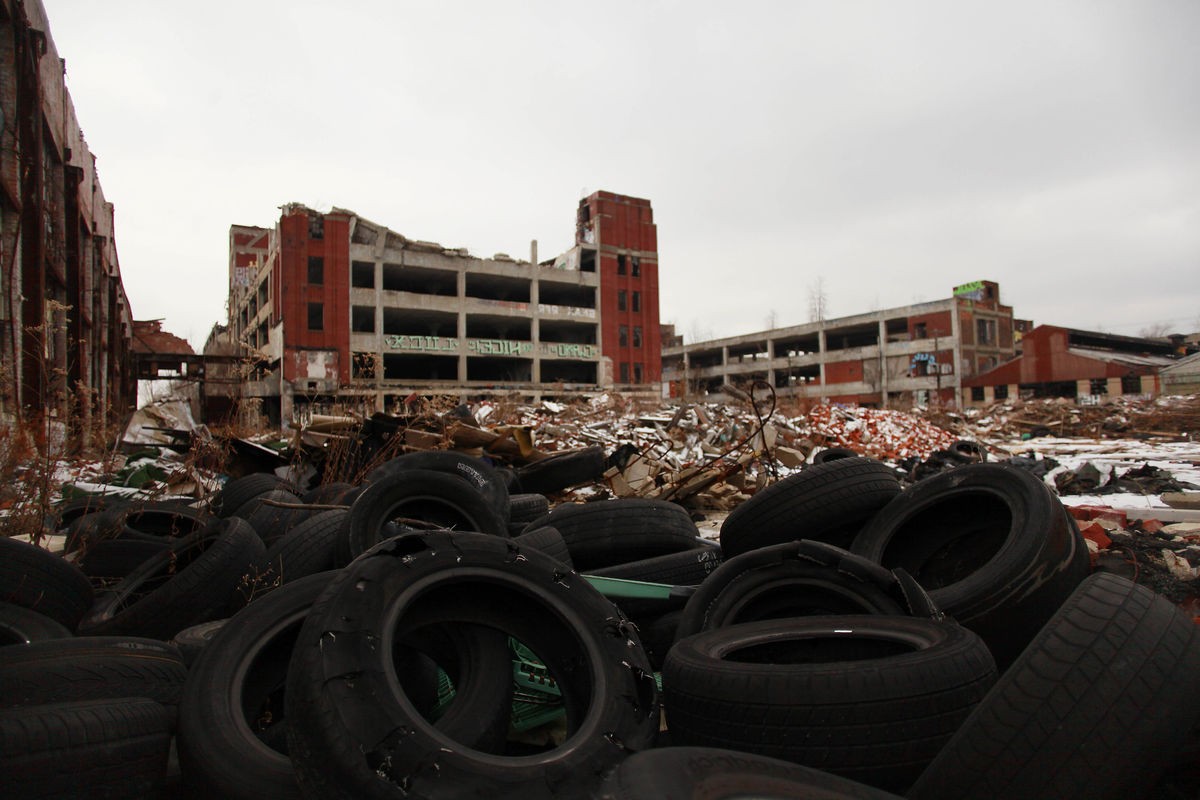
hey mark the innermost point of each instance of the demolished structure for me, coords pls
(65, 321)
(335, 308)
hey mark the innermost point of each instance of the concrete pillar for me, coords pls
(883, 373)
(461, 291)
(1149, 384)
(822, 355)
(1083, 388)
(535, 317)
(1114, 387)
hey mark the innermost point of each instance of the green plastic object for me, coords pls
(641, 590)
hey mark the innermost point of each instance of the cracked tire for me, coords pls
(993, 546)
(871, 698)
(354, 734)
(1092, 708)
(827, 502)
(801, 579)
(114, 749)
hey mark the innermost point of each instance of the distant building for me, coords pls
(335, 308)
(65, 323)
(916, 353)
(1075, 364)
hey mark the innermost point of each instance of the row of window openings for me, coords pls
(632, 264)
(623, 371)
(636, 304)
(623, 336)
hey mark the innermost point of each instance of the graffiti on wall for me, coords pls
(488, 347)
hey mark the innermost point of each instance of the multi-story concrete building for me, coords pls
(65, 322)
(915, 353)
(338, 308)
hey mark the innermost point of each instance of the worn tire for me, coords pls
(113, 749)
(196, 580)
(116, 558)
(525, 508)
(306, 549)
(1094, 706)
(39, 580)
(690, 773)
(609, 532)
(20, 625)
(559, 471)
(801, 579)
(828, 502)
(993, 546)
(475, 472)
(871, 698)
(271, 522)
(686, 568)
(433, 497)
(354, 736)
(549, 541)
(239, 491)
(833, 454)
(193, 640)
(91, 668)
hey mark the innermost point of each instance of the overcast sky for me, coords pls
(891, 149)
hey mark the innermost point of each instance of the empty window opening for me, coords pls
(635, 266)
(637, 301)
(621, 302)
(316, 270)
(624, 377)
(620, 265)
(637, 335)
(316, 317)
(623, 336)
(362, 275)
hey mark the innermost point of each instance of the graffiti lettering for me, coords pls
(571, 350)
(499, 347)
(422, 344)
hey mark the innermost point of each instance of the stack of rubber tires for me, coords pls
(847, 638)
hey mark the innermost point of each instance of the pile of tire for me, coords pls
(847, 637)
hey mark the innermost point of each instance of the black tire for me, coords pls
(432, 497)
(91, 668)
(233, 701)
(559, 471)
(970, 451)
(833, 454)
(688, 773)
(36, 579)
(239, 491)
(871, 698)
(116, 558)
(608, 532)
(525, 508)
(20, 625)
(549, 541)
(306, 549)
(1094, 707)
(162, 519)
(996, 550)
(352, 735)
(86, 530)
(198, 579)
(475, 472)
(192, 641)
(270, 516)
(72, 510)
(801, 579)
(658, 634)
(828, 502)
(328, 494)
(232, 737)
(113, 749)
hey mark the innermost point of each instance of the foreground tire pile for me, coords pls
(437, 632)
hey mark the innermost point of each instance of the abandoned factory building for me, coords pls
(911, 354)
(65, 321)
(333, 307)
(1087, 366)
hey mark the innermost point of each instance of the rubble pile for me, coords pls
(1165, 417)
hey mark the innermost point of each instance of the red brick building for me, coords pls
(338, 308)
